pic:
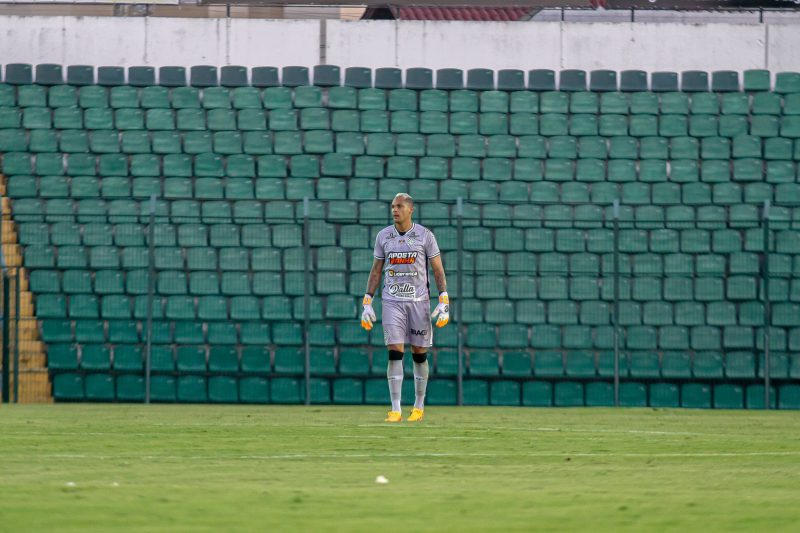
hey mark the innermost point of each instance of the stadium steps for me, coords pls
(34, 380)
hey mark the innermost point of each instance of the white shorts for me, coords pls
(407, 323)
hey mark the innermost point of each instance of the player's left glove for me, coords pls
(368, 316)
(442, 310)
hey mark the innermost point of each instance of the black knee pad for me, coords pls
(420, 357)
(395, 355)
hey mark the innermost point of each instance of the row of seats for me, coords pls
(563, 272)
(657, 234)
(557, 250)
(94, 99)
(713, 286)
(406, 173)
(392, 78)
(221, 213)
(226, 389)
(287, 121)
(46, 195)
(286, 360)
(124, 152)
(729, 260)
(205, 304)
(684, 185)
(488, 336)
(547, 288)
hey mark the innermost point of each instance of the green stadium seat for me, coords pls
(778, 365)
(632, 394)
(787, 82)
(192, 389)
(756, 80)
(664, 395)
(163, 389)
(739, 365)
(483, 363)
(754, 397)
(537, 393)
(707, 365)
(568, 394)
(68, 386)
(789, 397)
(644, 365)
(696, 395)
(504, 393)
(549, 364)
(62, 357)
(476, 392)
(348, 391)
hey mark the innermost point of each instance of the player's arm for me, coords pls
(368, 315)
(443, 309)
(438, 273)
(375, 276)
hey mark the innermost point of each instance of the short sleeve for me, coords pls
(378, 253)
(431, 246)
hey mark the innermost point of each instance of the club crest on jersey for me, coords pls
(402, 258)
(403, 290)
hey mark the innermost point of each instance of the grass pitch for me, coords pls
(224, 468)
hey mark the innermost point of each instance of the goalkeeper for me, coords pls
(402, 253)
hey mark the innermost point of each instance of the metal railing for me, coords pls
(614, 257)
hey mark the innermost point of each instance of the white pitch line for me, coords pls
(414, 437)
(577, 430)
(622, 431)
(427, 454)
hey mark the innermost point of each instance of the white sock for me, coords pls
(420, 384)
(394, 374)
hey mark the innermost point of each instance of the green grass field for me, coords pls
(223, 468)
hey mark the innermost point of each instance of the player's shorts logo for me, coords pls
(403, 290)
(402, 258)
(419, 332)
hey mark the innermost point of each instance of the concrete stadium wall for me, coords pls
(131, 41)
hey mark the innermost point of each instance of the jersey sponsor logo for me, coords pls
(402, 258)
(403, 290)
(396, 274)
(419, 332)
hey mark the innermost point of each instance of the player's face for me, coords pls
(401, 211)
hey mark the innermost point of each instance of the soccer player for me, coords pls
(402, 253)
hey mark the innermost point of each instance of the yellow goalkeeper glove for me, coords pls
(368, 315)
(442, 310)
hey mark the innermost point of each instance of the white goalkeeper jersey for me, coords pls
(405, 262)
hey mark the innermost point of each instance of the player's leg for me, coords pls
(421, 334)
(394, 375)
(394, 321)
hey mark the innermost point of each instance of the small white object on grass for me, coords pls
(115, 484)
(380, 480)
(70, 483)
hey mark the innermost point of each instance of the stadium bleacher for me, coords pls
(538, 158)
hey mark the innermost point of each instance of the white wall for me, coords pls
(128, 41)
(164, 41)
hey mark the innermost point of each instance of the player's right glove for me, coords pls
(368, 315)
(443, 310)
